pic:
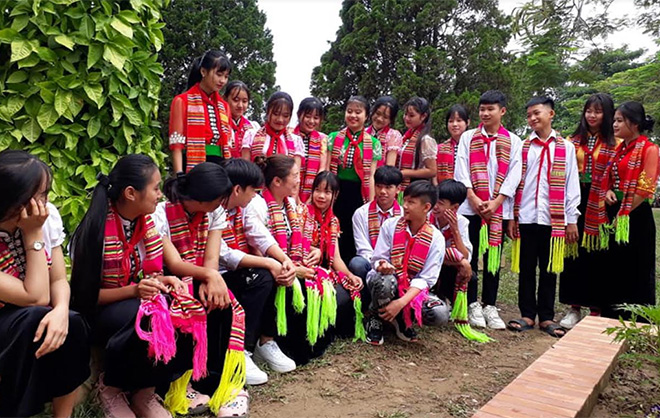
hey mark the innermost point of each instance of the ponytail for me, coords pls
(133, 170)
(211, 60)
(206, 182)
(278, 165)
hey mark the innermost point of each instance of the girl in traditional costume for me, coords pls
(457, 121)
(310, 117)
(330, 287)
(354, 156)
(200, 120)
(237, 96)
(117, 274)
(274, 137)
(630, 181)
(184, 225)
(44, 353)
(418, 155)
(595, 144)
(383, 117)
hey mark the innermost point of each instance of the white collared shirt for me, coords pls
(428, 276)
(361, 229)
(529, 212)
(511, 181)
(463, 229)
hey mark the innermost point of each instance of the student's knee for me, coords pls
(435, 312)
(262, 279)
(360, 266)
(383, 288)
(29, 317)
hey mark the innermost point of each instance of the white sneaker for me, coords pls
(571, 318)
(253, 374)
(270, 353)
(493, 320)
(476, 315)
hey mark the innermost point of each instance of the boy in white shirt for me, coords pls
(545, 217)
(488, 164)
(406, 264)
(368, 219)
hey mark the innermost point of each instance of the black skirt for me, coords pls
(580, 283)
(348, 201)
(630, 268)
(27, 383)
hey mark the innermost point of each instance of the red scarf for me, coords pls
(361, 160)
(234, 236)
(117, 250)
(321, 228)
(277, 226)
(277, 144)
(490, 235)
(382, 138)
(446, 163)
(198, 128)
(311, 165)
(239, 132)
(408, 257)
(375, 221)
(407, 157)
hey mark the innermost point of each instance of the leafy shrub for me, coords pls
(80, 87)
(642, 338)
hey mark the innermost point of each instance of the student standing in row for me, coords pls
(457, 121)
(237, 96)
(310, 117)
(419, 151)
(383, 117)
(200, 128)
(488, 163)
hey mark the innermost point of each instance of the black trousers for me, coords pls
(255, 291)
(27, 383)
(535, 252)
(490, 281)
(446, 285)
(348, 201)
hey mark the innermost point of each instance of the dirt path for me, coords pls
(443, 375)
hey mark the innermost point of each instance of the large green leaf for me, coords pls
(17, 77)
(7, 35)
(31, 130)
(20, 49)
(46, 54)
(62, 100)
(14, 104)
(94, 54)
(87, 28)
(47, 116)
(93, 127)
(114, 56)
(122, 28)
(94, 92)
(65, 41)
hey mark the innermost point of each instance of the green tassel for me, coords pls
(589, 242)
(515, 256)
(360, 333)
(494, 257)
(622, 231)
(557, 250)
(280, 308)
(298, 298)
(176, 400)
(313, 314)
(328, 307)
(483, 239)
(571, 251)
(460, 313)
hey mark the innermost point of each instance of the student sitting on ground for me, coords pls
(368, 219)
(406, 264)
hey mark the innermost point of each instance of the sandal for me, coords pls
(198, 402)
(238, 408)
(524, 326)
(552, 328)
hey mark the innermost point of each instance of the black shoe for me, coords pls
(405, 334)
(374, 331)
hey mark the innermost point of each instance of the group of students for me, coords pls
(271, 242)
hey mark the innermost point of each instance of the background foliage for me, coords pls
(236, 27)
(80, 87)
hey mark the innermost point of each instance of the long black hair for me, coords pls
(210, 60)
(389, 102)
(331, 183)
(243, 173)
(278, 165)
(236, 85)
(21, 176)
(206, 182)
(277, 101)
(606, 104)
(634, 113)
(133, 170)
(422, 106)
(310, 105)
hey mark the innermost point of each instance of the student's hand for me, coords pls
(313, 258)
(610, 197)
(464, 271)
(33, 216)
(214, 294)
(384, 268)
(572, 234)
(488, 209)
(150, 287)
(174, 283)
(512, 229)
(303, 272)
(288, 274)
(475, 202)
(391, 310)
(451, 217)
(56, 325)
(355, 282)
(274, 267)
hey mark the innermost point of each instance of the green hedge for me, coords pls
(79, 86)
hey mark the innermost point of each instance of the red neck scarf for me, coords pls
(311, 165)
(446, 163)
